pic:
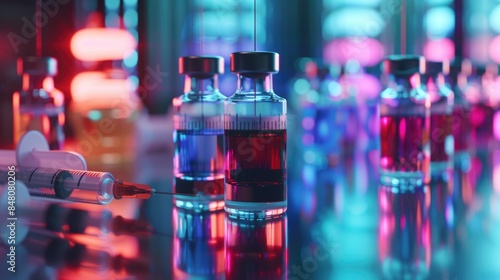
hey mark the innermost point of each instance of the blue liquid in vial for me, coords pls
(199, 164)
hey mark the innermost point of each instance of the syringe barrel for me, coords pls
(69, 185)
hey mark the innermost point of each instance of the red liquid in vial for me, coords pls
(402, 139)
(255, 165)
(440, 131)
(461, 128)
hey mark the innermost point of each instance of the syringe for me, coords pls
(78, 185)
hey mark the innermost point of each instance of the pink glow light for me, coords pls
(366, 51)
(439, 50)
(494, 49)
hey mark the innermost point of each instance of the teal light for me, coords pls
(130, 18)
(334, 88)
(346, 22)
(131, 60)
(301, 86)
(94, 115)
(439, 22)
(130, 3)
(340, 3)
(495, 19)
(112, 4)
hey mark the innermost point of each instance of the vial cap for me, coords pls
(434, 67)
(202, 65)
(42, 66)
(455, 66)
(404, 64)
(255, 62)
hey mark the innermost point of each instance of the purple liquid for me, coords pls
(461, 128)
(255, 165)
(440, 130)
(482, 123)
(402, 141)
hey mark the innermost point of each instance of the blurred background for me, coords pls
(363, 31)
(340, 224)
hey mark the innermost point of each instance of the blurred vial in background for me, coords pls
(457, 82)
(198, 244)
(404, 123)
(441, 136)
(256, 249)
(480, 93)
(104, 113)
(199, 135)
(404, 232)
(39, 105)
(349, 107)
(363, 89)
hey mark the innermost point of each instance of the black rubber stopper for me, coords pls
(254, 62)
(56, 251)
(42, 66)
(54, 217)
(201, 65)
(433, 67)
(75, 255)
(59, 189)
(403, 64)
(77, 220)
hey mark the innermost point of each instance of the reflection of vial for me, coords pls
(39, 106)
(404, 123)
(198, 244)
(441, 136)
(256, 249)
(198, 134)
(404, 232)
(255, 139)
(482, 112)
(461, 110)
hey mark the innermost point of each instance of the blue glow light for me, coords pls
(301, 86)
(495, 19)
(94, 115)
(131, 60)
(347, 22)
(112, 4)
(439, 22)
(130, 18)
(130, 3)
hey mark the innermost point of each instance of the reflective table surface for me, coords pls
(340, 224)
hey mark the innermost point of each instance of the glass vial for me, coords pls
(404, 123)
(441, 136)
(39, 105)
(255, 140)
(457, 81)
(198, 135)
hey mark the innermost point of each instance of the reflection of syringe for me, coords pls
(78, 185)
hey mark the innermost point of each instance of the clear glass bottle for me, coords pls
(441, 136)
(198, 135)
(39, 105)
(255, 140)
(404, 123)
